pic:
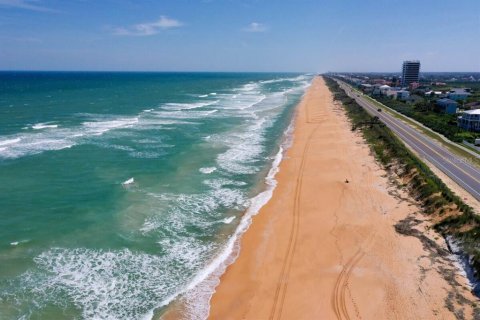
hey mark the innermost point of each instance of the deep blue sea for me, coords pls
(123, 192)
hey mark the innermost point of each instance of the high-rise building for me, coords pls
(410, 72)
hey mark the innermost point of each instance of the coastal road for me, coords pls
(457, 168)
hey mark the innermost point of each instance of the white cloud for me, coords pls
(25, 4)
(255, 27)
(148, 28)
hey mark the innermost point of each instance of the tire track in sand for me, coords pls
(338, 296)
(282, 283)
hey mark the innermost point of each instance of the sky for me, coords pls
(239, 35)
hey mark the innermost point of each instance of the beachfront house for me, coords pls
(432, 93)
(366, 88)
(376, 89)
(470, 120)
(397, 94)
(384, 89)
(403, 95)
(446, 105)
(458, 94)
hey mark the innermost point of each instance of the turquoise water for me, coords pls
(120, 192)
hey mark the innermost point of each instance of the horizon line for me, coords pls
(223, 71)
(217, 71)
(153, 71)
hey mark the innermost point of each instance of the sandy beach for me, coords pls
(325, 246)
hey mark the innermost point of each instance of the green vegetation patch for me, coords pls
(424, 112)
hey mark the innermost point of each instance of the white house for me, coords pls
(470, 120)
(403, 95)
(398, 94)
(384, 89)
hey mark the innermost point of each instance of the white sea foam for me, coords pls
(275, 80)
(219, 183)
(9, 141)
(303, 77)
(35, 143)
(203, 96)
(244, 148)
(16, 243)
(242, 98)
(118, 284)
(188, 106)
(100, 127)
(195, 209)
(250, 104)
(249, 87)
(184, 115)
(56, 138)
(228, 220)
(207, 170)
(128, 181)
(40, 126)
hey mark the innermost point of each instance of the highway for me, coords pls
(457, 168)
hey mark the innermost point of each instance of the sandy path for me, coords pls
(326, 249)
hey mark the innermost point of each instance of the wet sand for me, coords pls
(323, 248)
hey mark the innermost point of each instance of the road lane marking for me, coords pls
(392, 121)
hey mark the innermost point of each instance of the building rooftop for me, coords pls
(459, 90)
(474, 111)
(446, 100)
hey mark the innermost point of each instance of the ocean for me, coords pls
(121, 193)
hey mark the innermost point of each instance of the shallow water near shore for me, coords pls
(118, 190)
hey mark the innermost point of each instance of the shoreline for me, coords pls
(310, 255)
(186, 304)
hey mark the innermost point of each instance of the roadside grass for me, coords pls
(470, 148)
(453, 217)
